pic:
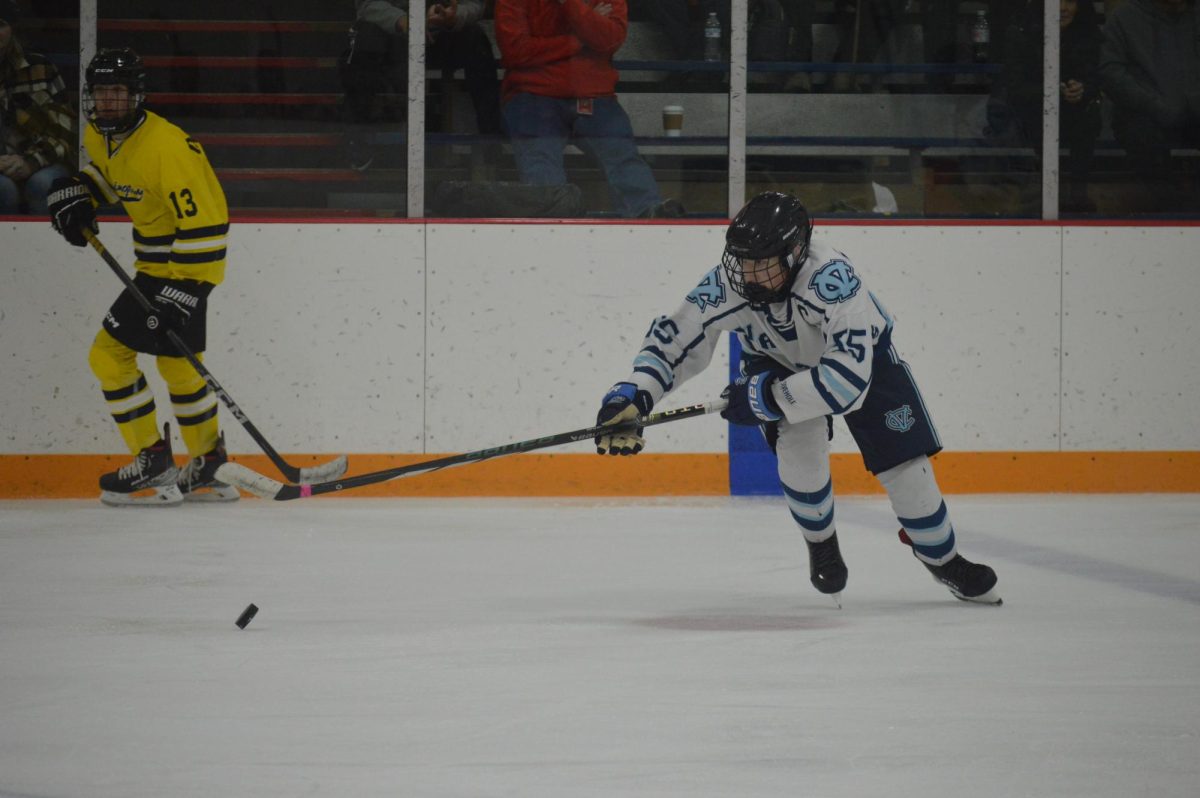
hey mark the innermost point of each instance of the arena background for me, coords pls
(1053, 356)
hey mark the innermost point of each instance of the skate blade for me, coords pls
(167, 496)
(990, 597)
(212, 494)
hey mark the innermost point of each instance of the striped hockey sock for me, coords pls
(133, 409)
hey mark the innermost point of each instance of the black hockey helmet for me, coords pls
(115, 67)
(770, 225)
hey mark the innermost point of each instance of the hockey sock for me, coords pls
(125, 391)
(132, 407)
(194, 404)
(812, 511)
(803, 451)
(919, 508)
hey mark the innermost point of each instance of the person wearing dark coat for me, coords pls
(1150, 68)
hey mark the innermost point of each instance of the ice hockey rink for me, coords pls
(551, 648)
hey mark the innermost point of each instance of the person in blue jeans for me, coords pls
(33, 189)
(35, 123)
(559, 88)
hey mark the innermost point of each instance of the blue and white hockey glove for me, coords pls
(623, 402)
(750, 400)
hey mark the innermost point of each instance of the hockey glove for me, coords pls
(173, 306)
(71, 210)
(624, 402)
(750, 400)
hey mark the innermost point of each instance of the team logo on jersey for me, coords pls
(899, 420)
(835, 282)
(710, 292)
(127, 193)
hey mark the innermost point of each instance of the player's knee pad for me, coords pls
(113, 363)
(912, 488)
(181, 377)
(803, 452)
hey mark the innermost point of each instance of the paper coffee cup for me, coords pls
(673, 120)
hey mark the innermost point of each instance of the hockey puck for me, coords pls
(247, 616)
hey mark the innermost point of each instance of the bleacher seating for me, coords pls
(257, 82)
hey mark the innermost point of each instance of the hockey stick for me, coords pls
(251, 481)
(331, 470)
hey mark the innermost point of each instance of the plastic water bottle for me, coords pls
(712, 37)
(981, 37)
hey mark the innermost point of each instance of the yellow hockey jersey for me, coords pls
(165, 183)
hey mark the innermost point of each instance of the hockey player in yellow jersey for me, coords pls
(164, 182)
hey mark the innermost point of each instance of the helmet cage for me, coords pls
(771, 225)
(121, 67)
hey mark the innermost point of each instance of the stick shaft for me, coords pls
(587, 433)
(290, 471)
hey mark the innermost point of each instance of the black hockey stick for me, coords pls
(331, 470)
(251, 481)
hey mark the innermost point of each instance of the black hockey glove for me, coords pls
(750, 400)
(173, 307)
(623, 402)
(71, 210)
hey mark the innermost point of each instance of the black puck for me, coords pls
(247, 616)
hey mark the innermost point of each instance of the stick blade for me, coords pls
(326, 472)
(248, 480)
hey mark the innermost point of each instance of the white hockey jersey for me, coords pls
(828, 332)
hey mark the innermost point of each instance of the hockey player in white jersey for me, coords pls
(816, 343)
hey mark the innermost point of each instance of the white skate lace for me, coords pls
(135, 468)
(190, 474)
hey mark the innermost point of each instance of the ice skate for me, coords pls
(197, 480)
(148, 480)
(966, 580)
(826, 569)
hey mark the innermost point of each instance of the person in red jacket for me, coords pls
(559, 87)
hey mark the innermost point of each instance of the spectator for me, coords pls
(1015, 109)
(35, 123)
(559, 87)
(1150, 67)
(377, 58)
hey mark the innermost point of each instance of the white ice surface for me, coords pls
(594, 648)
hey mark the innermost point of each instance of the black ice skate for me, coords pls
(966, 580)
(148, 480)
(826, 569)
(197, 480)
